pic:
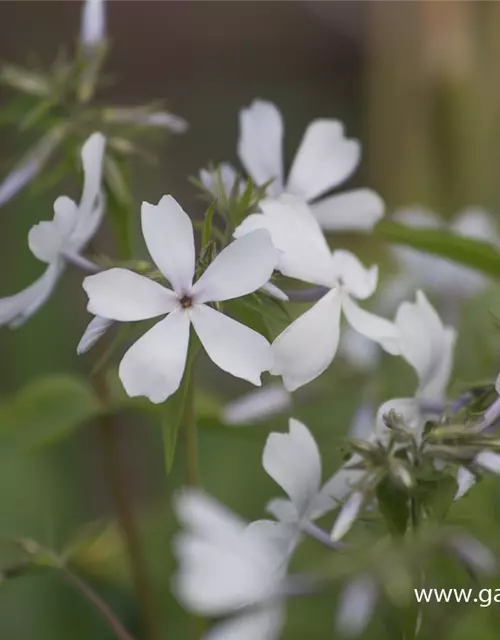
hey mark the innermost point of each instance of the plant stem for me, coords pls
(96, 601)
(127, 524)
(190, 431)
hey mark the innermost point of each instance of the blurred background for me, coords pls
(418, 84)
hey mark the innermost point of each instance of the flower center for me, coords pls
(186, 302)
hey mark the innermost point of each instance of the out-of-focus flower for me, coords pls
(356, 605)
(307, 347)
(324, 160)
(96, 328)
(220, 182)
(432, 273)
(257, 405)
(62, 239)
(154, 365)
(229, 568)
(93, 25)
(144, 117)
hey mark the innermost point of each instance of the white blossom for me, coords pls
(154, 365)
(435, 274)
(257, 405)
(229, 568)
(63, 238)
(347, 515)
(96, 328)
(293, 461)
(325, 159)
(93, 26)
(307, 347)
(356, 605)
(427, 345)
(220, 182)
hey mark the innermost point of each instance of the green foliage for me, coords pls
(476, 254)
(44, 412)
(393, 502)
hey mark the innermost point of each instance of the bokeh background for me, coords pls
(418, 83)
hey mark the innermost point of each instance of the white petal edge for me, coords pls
(120, 294)
(260, 144)
(370, 325)
(168, 233)
(292, 460)
(241, 268)
(348, 514)
(154, 365)
(232, 346)
(306, 348)
(257, 405)
(96, 328)
(325, 158)
(356, 210)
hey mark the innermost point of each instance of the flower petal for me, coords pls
(370, 325)
(96, 328)
(307, 347)
(465, 481)
(93, 28)
(154, 365)
(120, 294)
(293, 461)
(257, 405)
(45, 241)
(356, 606)
(168, 233)
(325, 159)
(356, 210)
(264, 624)
(295, 232)
(409, 408)
(355, 277)
(337, 487)
(347, 515)
(283, 510)
(232, 346)
(241, 268)
(489, 461)
(16, 309)
(260, 144)
(275, 292)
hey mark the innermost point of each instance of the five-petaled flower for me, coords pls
(154, 365)
(324, 160)
(62, 239)
(227, 567)
(307, 346)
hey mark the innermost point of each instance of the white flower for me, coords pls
(227, 567)
(154, 365)
(257, 405)
(63, 238)
(96, 328)
(93, 27)
(324, 160)
(435, 274)
(293, 461)
(347, 515)
(356, 605)
(220, 181)
(307, 347)
(427, 345)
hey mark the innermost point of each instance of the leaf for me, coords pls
(393, 504)
(437, 495)
(120, 206)
(476, 254)
(207, 226)
(45, 411)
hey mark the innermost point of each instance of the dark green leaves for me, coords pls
(45, 411)
(476, 254)
(394, 506)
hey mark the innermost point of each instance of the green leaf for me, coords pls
(45, 411)
(207, 226)
(436, 496)
(476, 254)
(120, 205)
(394, 506)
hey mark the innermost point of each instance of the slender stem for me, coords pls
(96, 601)
(322, 536)
(127, 524)
(190, 431)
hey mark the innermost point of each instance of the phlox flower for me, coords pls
(306, 347)
(324, 160)
(63, 238)
(154, 365)
(227, 568)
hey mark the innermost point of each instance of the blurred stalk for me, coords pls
(433, 99)
(190, 430)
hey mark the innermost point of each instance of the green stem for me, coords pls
(127, 524)
(190, 431)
